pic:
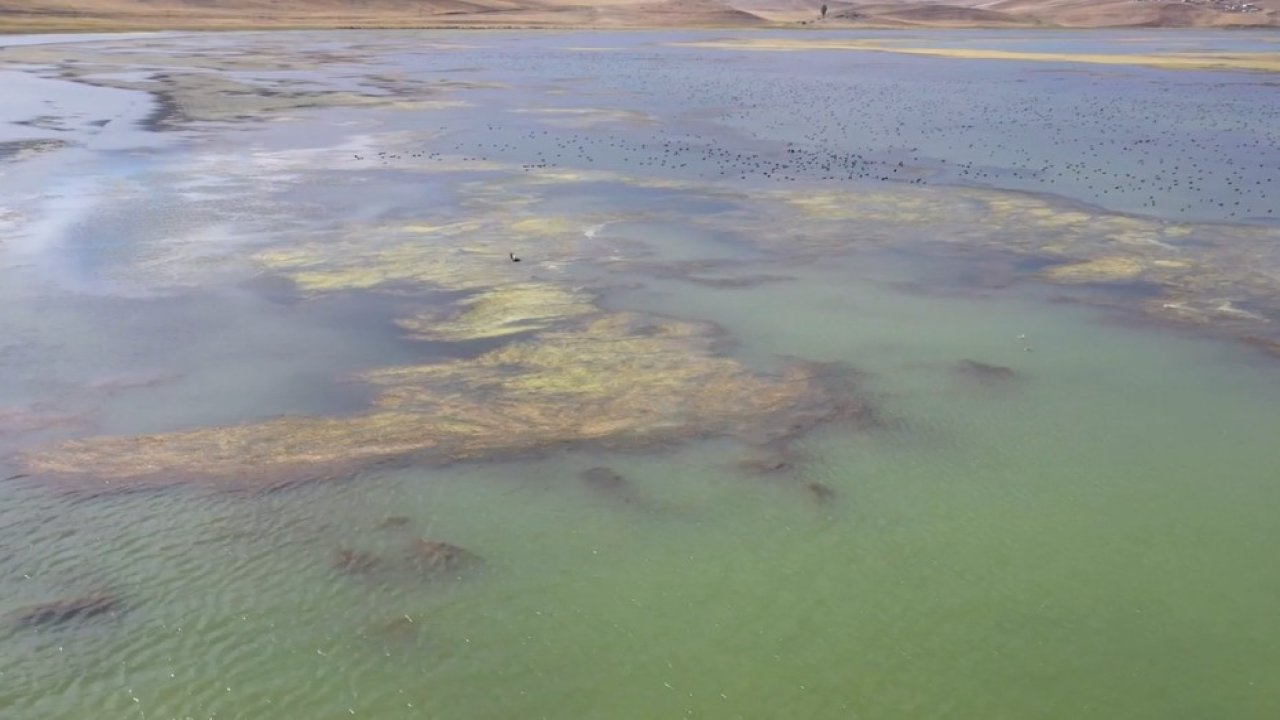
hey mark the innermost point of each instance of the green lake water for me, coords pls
(1093, 537)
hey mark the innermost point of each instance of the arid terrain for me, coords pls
(105, 15)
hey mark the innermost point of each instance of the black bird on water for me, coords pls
(513, 257)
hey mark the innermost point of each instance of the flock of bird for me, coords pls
(1140, 141)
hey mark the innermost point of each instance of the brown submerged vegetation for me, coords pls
(821, 492)
(603, 478)
(1266, 345)
(61, 612)
(785, 464)
(772, 459)
(609, 483)
(438, 559)
(355, 562)
(984, 372)
(422, 558)
(393, 521)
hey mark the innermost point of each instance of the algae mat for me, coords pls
(1261, 62)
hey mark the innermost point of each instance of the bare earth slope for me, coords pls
(62, 15)
(36, 15)
(1133, 13)
(910, 14)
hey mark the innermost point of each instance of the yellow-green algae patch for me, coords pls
(469, 255)
(619, 379)
(1191, 268)
(581, 375)
(1104, 269)
(1257, 61)
(573, 373)
(562, 176)
(1203, 274)
(992, 219)
(499, 312)
(587, 117)
(452, 256)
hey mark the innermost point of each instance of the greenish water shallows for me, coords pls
(1093, 537)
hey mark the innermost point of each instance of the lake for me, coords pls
(842, 374)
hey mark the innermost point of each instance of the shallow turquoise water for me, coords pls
(1092, 536)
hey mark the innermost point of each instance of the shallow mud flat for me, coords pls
(640, 374)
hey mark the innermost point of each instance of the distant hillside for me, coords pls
(42, 15)
(788, 10)
(16, 15)
(930, 15)
(1050, 13)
